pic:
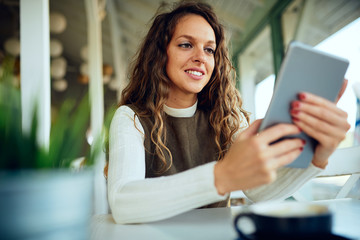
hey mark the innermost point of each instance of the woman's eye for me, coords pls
(185, 45)
(210, 51)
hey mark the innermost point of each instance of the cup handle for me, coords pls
(249, 216)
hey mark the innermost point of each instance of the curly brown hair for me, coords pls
(149, 84)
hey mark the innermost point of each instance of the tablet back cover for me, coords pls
(304, 69)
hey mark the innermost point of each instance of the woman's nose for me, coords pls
(199, 55)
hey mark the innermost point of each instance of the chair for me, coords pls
(344, 161)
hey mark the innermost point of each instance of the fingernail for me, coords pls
(301, 148)
(294, 112)
(303, 141)
(299, 128)
(295, 104)
(295, 119)
(302, 96)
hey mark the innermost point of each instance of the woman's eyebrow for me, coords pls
(192, 38)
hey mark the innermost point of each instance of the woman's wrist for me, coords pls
(320, 163)
(219, 179)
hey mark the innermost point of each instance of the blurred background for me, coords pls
(258, 31)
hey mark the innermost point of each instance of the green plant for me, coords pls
(21, 151)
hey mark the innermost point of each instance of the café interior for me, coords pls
(66, 50)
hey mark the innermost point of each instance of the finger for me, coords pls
(314, 127)
(284, 146)
(317, 101)
(330, 143)
(324, 115)
(278, 131)
(284, 159)
(277, 149)
(342, 90)
(251, 130)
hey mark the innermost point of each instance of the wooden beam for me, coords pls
(230, 20)
(144, 12)
(277, 9)
(277, 42)
(125, 17)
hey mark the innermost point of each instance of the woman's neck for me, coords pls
(177, 102)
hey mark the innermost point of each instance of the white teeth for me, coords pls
(194, 72)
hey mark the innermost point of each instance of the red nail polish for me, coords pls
(295, 119)
(300, 129)
(303, 141)
(302, 96)
(294, 112)
(295, 104)
(301, 148)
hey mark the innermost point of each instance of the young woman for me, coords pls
(178, 140)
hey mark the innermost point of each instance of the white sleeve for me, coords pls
(288, 181)
(134, 198)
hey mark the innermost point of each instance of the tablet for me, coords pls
(304, 69)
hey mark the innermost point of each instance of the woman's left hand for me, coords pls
(322, 120)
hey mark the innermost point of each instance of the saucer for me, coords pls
(308, 237)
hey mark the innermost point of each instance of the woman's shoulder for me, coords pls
(126, 119)
(125, 115)
(124, 111)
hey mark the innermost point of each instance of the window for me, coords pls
(263, 94)
(346, 43)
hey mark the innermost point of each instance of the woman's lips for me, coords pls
(195, 74)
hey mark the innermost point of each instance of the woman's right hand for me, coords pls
(251, 161)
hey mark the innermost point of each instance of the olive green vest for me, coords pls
(191, 141)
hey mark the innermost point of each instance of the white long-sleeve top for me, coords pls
(136, 199)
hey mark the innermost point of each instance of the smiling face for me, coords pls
(190, 60)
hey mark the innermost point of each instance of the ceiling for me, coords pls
(133, 19)
(309, 21)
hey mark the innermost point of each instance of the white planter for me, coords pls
(45, 204)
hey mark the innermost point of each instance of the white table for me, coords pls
(215, 223)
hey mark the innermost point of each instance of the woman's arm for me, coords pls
(320, 119)
(134, 199)
(288, 181)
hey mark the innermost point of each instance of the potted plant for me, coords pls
(41, 196)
